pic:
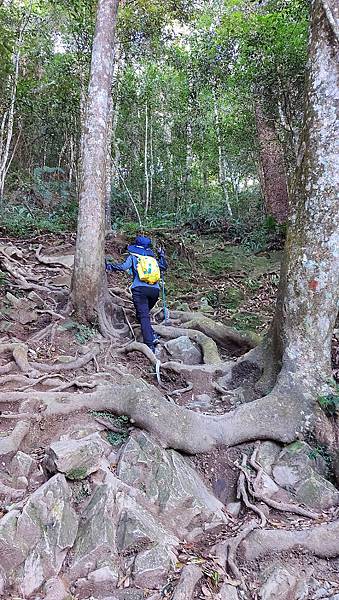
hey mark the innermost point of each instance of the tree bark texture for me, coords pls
(89, 273)
(273, 174)
(308, 296)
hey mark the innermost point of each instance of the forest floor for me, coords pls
(208, 275)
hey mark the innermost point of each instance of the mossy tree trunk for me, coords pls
(89, 282)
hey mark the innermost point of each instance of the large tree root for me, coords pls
(190, 576)
(226, 337)
(208, 346)
(12, 442)
(276, 417)
(111, 318)
(321, 541)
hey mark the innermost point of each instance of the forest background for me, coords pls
(207, 102)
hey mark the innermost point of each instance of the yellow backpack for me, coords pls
(148, 269)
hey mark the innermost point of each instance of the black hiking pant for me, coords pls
(144, 298)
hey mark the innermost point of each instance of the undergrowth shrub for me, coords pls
(22, 221)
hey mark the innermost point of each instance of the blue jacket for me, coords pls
(130, 264)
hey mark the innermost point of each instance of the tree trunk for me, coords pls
(109, 170)
(112, 126)
(146, 161)
(222, 161)
(89, 273)
(272, 168)
(307, 304)
(5, 157)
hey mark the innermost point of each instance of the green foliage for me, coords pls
(116, 438)
(84, 333)
(23, 221)
(197, 84)
(77, 473)
(330, 403)
(3, 279)
(246, 321)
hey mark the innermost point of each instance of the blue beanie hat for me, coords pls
(143, 241)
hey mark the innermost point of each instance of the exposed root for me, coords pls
(177, 427)
(71, 366)
(208, 346)
(321, 541)
(277, 505)
(8, 368)
(24, 284)
(226, 337)
(74, 383)
(190, 576)
(139, 347)
(232, 546)
(242, 492)
(64, 261)
(110, 317)
(188, 388)
(20, 355)
(11, 443)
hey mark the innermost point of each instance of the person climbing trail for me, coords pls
(146, 271)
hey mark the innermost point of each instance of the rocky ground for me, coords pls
(93, 507)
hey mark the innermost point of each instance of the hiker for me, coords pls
(146, 271)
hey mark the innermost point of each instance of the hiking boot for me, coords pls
(156, 339)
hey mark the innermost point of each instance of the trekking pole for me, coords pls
(166, 315)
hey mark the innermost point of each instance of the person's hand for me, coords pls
(109, 266)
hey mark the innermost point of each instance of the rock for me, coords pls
(76, 458)
(95, 545)
(22, 483)
(267, 486)
(2, 584)
(335, 597)
(151, 567)
(182, 349)
(47, 528)
(98, 584)
(55, 589)
(138, 528)
(115, 523)
(201, 401)
(127, 594)
(12, 553)
(267, 454)
(22, 464)
(315, 491)
(284, 584)
(171, 483)
(295, 457)
(227, 592)
(336, 467)
(300, 471)
(233, 508)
